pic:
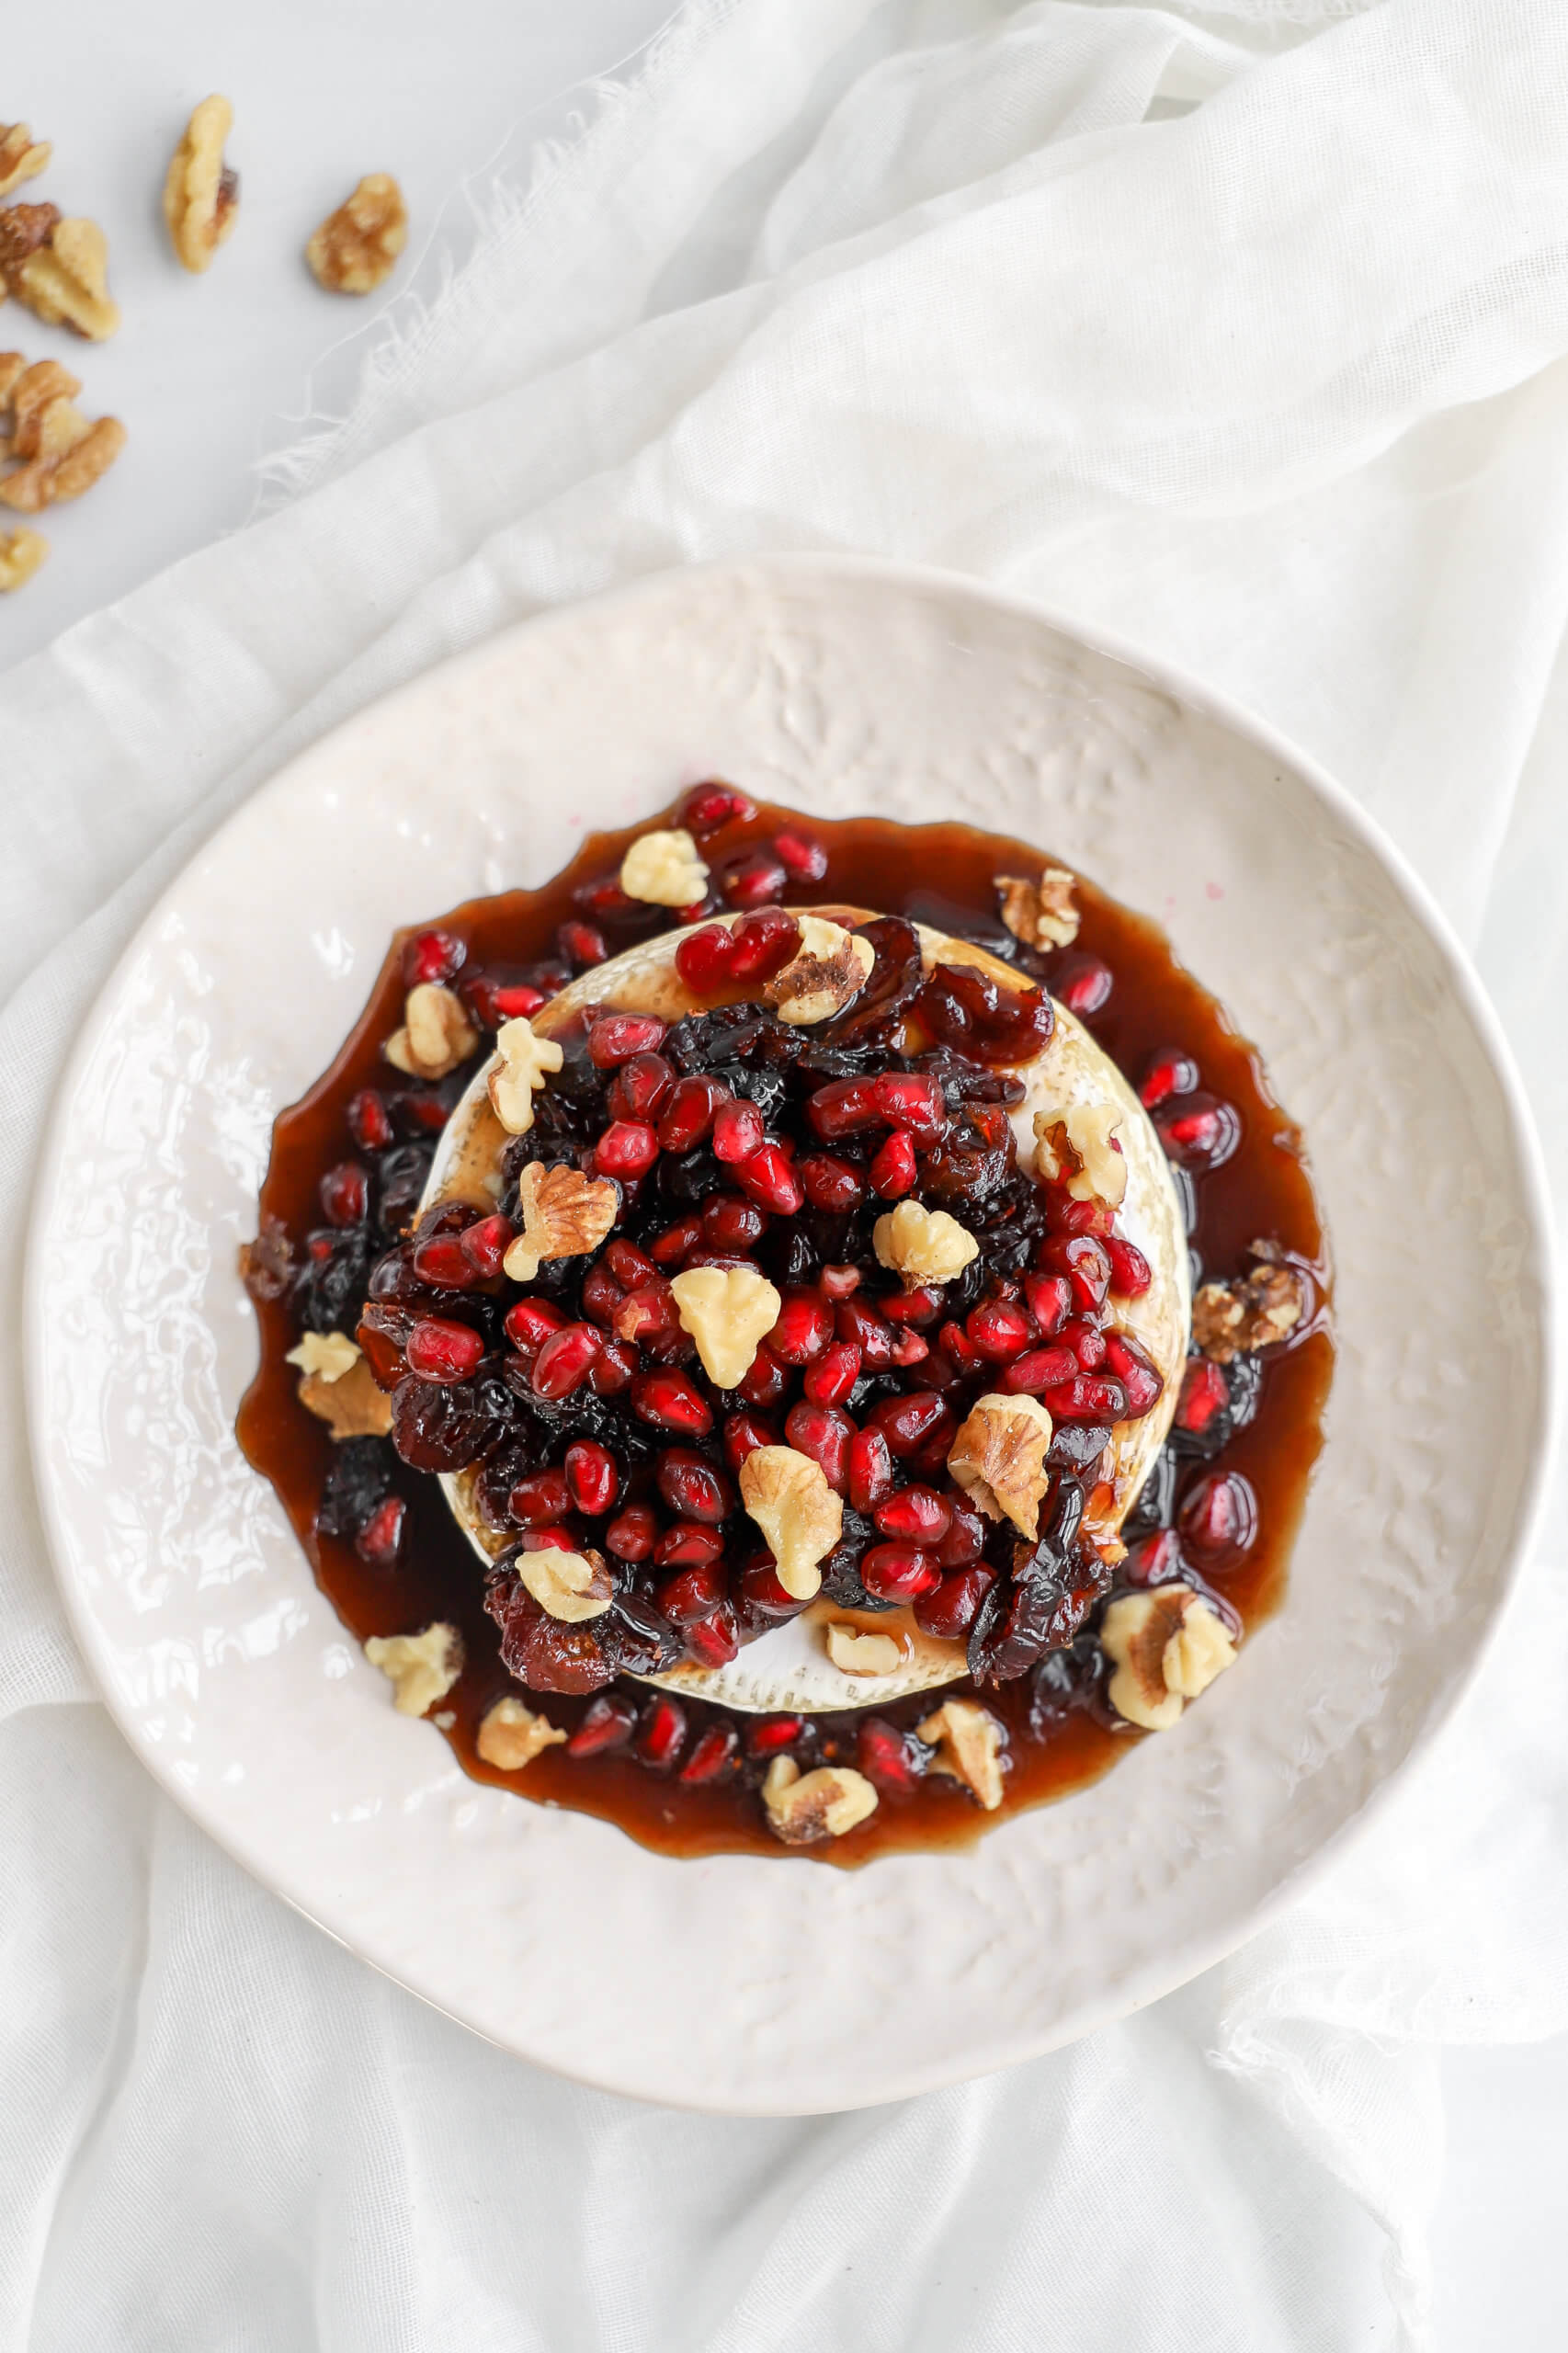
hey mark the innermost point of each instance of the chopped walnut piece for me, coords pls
(1255, 1312)
(421, 1669)
(351, 1403)
(1167, 1646)
(57, 452)
(565, 1214)
(803, 1808)
(437, 1034)
(21, 156)
(800, 1518)
(998, 1459)
(572, 1586)
(854, 1651)
(357, 246)
(832, 968)
(727, 1311)
(201, 194)
(1042, 913)
(1075, 1146)
(664, 868)
(921, 1246)
(21, 553)
(511, 1735)
(524, 1063)
(64, 280)
(328, 1354)
(25, 229)
(968, 1741)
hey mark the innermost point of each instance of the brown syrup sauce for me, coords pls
(939, 874)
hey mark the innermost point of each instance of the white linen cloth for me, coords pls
(1244, 334)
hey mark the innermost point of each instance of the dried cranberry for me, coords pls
(431, 957)
(562, 1364)
(438, 1425)
(628, 1148)
(823, 1433)
(367, 1122)
(669, 1400)
(1171, 1072)
(949, 1612)
(607, 1723)
(713, 1755)
(804, 856)
(1219, 1518)
(661, 1732)
(894, 1760)
(439, 1350)
(708, 808)
(898, 1572)
(615, 1038)
(593, 1477)
(345, 1193)
(967, 1009)
(380, 1540)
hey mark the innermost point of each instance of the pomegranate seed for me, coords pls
(831, 1184)
(440, 1259)
(1050, 1301)
(612, 1368)
(345, 1193)
(514, 1003)
(594, 1477)
(604, 899)
(1203, 1408)
(607, 1723)
(431, 957)
(838, 1282)
(1137, 1371)
(892, 1167)
(1200, 1131)
(676, 1243)
(911, 1101)
(627, 1148)
(616, 1037)
(632, 1533)
(380, 1541)
(539, 1499)
(804, 856)
(761, 1590)
(949, 1609)
(1082, 984)
(998, 1330)
(737, 1130)
(728, 1223)
(1091, 1397)
(1219, 1518)
(919, 1514)
(1086, 1341)
(705, 959)
(888, 1756)
(708, 808)
(771, 1735)
(549, 1539)
(910, 1348)
(755, 880)
(689, 1112)
(485, 1245)
(1170, 1073)
(826, 1434)
(440, 1350)
(904, 1422)
(922, 1305)
(697, 1589)
(581, 943)
(369, 1123)
(804, 1327)
(692, 1488)
(600, 1295)
(829, 1380)
(965, 1539)
(1040, 1369)
(669, 1400)
(962, 1358)
(744, 1433)
(763, 944)
(648, 1314)
(842, 1107)
(661, 1732)
(871, 1469)
(1131, 1273)
(765, 1381)
(859, 1323)
(1082, 1259)
(562, 1365)
(714, 1641)
(770, 1177)
(713, 1755)
(931, 1455)
(643, 1086)
(898, 1572)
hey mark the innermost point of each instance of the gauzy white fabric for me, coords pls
(1244, 334)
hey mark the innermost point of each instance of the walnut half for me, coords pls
(1042, 913)
(803, 1808)
(727, 1311)
(1256, 1313)
(201, 194)
(1167, 1646)
(831, 969)
(968, 1741)
(998, 1459)
(56, 453)
(421, 1669)
(356, 247)
(800, 1518)
(565, 1215)
(21, 156)
(63, 276)
(436, 1036)
(921, 1246)
(21, 553)
(511, 1735)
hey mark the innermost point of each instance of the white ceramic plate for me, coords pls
(738, 1984)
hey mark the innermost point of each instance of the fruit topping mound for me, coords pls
(766, 1308)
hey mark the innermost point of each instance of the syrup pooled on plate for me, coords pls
(584, 1425)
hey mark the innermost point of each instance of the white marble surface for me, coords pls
(212, 375)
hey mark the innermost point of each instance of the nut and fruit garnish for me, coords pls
(356, 246)
(776, 1294)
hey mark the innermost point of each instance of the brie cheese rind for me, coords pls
(790, 1668)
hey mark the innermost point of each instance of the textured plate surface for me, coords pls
(781, 1985)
